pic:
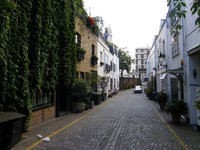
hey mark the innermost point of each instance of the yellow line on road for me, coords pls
(185, 147)
(65, 127)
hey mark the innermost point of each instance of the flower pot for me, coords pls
(162, 105)
(176, 117)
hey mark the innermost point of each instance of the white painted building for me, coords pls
(175, 59)
(108, 64)
(104, 60)
(191, 63)
(114, 69)
(181, 64)
(161, 58)
(152, 63)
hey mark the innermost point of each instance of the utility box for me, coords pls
(11, 127)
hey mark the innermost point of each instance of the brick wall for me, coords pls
(87, 40)
(42, 115)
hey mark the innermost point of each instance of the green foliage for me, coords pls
(197, 102)
(161, 97)
(149, 89)
(125, 60)
(37, 49)
(94, 57)
(176, 106)
(99, 21)
(81, 88)
(179, 12)
(80, 50)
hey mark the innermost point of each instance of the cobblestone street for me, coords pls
(127, 121)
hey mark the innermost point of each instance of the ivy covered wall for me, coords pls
(37, 49)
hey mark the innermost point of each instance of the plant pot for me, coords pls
(96, 97)
(162, 105)
(176, 117)
(103, 97)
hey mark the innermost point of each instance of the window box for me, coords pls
(80, 53)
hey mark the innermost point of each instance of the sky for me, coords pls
(134, 24)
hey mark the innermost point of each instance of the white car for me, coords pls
(138, 89)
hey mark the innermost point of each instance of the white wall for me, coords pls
(104, 49)
(191, 40)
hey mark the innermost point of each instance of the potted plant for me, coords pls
(94, 59)
(149, 92)
(176, 108)
(81, 89)
(80, 53)
(161, 98)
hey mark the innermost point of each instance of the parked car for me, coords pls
(138, 89)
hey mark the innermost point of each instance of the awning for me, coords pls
(176, 71)
(163, 76)
(194, 51)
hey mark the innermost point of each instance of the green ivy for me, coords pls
(37, 49)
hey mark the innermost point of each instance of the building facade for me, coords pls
(191, 63)
(87, 41)
(141, 62)
(108, 65)
(174, 61)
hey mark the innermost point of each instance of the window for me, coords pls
(142, 55)
(77, 74)
(41, 99)
(78, 39)
(93, 49)
(101, 56)
(113, 67)
(82, 75)
(105, 60)
(163, 47)
(136, 68)
(175, 45)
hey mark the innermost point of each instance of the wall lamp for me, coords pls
(194, 73)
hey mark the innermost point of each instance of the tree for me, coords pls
(125, 61)
(179, 12)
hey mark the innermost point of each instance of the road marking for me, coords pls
(180, 141)
(67, 126)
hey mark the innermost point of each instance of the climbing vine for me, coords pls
(37, 49)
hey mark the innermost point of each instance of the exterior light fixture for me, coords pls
(194, 73)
